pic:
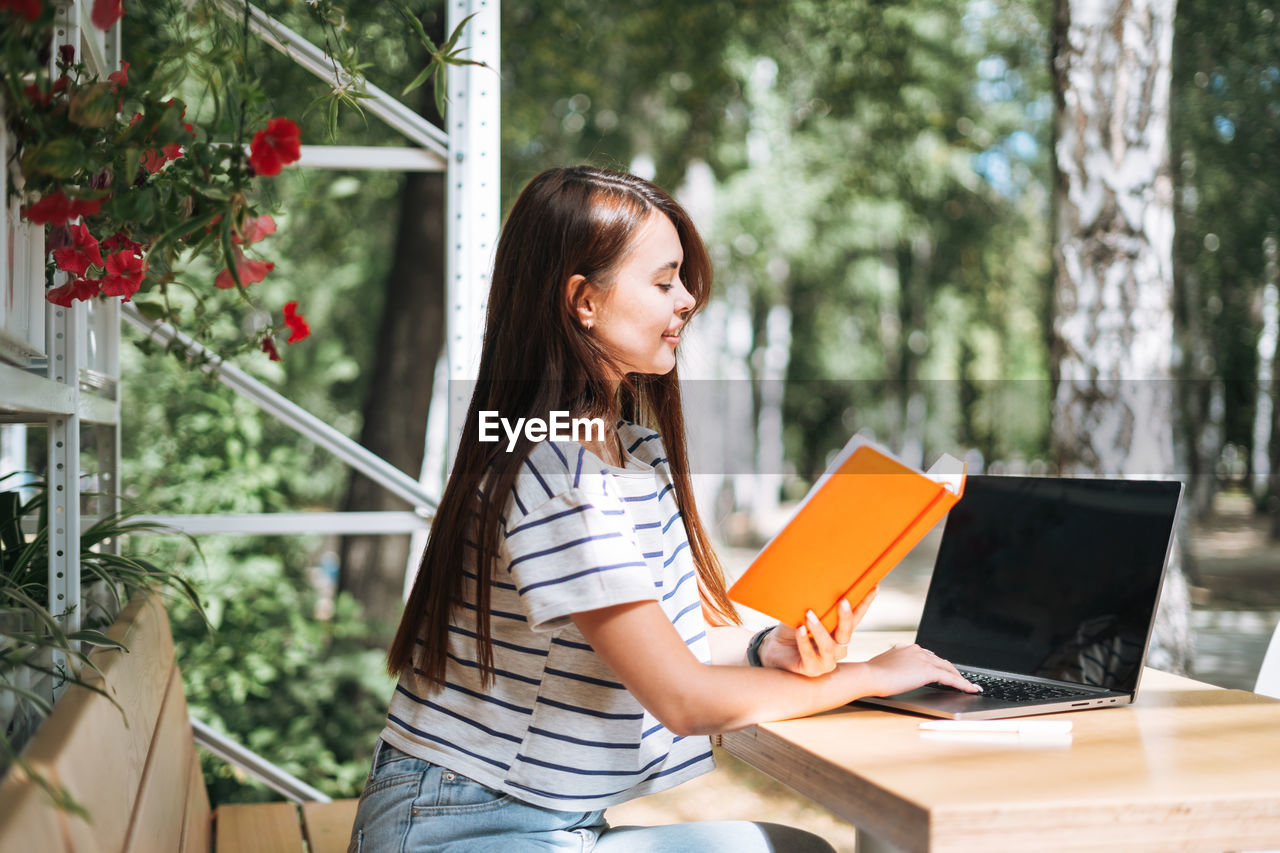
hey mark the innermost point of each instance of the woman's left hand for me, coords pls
(810, 649)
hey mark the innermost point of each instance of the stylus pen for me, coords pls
(1022, 727)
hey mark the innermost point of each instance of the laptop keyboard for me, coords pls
(1011, 690)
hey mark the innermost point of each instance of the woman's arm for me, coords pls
(640, 644)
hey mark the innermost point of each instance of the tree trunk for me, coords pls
(1113, 406)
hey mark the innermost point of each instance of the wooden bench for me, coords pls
(138, 774)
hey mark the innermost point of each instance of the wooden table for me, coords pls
(1189, 766)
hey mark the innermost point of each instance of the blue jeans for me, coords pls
(412, 806)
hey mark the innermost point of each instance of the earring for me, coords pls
(586, 324)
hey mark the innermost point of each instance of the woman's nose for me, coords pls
(684, 300)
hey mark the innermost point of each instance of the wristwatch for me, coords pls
(753, 647)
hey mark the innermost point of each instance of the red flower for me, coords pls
(269, 347)
(56, 208)
(28, 9)
(274, 148)
(298, 328)
(41, 98)
(250, 271)
(58, 237)
(67, 53)
(125, 271)
(119, 241)
(83, 254)
(153, 161)
(75, 288)
(106, 13)
(255, 228)
(121, 77)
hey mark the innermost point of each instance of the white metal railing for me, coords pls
(255, 765)
(287, 412)
(395, 114)
(293, 523)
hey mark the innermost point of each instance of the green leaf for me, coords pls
(453, 59)
(457, 32)
(57, 158)
(153, 311)
(132, 162)
(183, 228)
(441, 91)
(420, 79)
(93, 106)
(229, 252)
(416, 25)
(137, 205)
(89, 635)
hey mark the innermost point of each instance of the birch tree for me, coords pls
(1112, 334)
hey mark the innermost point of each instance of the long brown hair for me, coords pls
(536, 358)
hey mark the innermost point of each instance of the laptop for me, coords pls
(1044, 592)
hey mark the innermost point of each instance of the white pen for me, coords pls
(1022, 727)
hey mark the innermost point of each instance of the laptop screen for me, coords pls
(1056, 578)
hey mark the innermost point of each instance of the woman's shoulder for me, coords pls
(642, 443)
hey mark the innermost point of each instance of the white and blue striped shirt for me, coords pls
(556, 728)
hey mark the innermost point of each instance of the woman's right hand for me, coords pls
(904, 668)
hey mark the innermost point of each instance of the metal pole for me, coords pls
(471, 230)
(63, 475)
(255, 765)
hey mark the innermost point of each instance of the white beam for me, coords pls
(294, 523)
(382, 158)
(34, 394)
(472, 120)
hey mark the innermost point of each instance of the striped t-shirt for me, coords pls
(556, 728)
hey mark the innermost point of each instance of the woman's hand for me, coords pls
(810, 649)
(904, 668)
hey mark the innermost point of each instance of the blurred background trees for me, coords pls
(874, 181)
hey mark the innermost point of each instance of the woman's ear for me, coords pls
(583, 299)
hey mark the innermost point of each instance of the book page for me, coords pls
(948, 471)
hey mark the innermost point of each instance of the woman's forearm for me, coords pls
(690, 697)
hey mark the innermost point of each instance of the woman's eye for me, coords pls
(665, 287)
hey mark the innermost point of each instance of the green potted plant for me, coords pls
(37, 656)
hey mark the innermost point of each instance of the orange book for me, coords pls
(857, 522)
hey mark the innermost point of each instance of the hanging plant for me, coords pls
(129, 189)
(125, 186)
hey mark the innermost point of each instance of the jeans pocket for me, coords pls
(454, 793)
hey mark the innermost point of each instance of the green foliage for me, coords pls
(1225, 128)
(878, 169)
(306, 693)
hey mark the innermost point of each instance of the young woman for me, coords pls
(569, 642)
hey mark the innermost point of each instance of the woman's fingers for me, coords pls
(823, 643)
(951, 676)
(906, 667)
